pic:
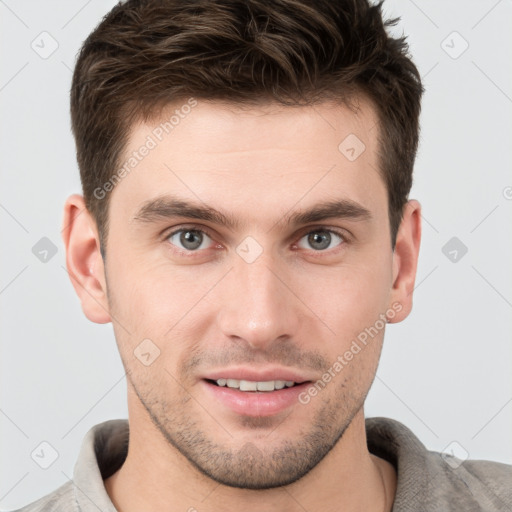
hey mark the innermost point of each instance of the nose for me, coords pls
(258, 306)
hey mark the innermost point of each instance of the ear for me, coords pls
(83, 259)
(405, 260)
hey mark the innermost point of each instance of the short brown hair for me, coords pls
(146, 54)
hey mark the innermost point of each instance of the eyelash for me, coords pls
(192, 253)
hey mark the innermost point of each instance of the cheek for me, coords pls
(158, 300)
(348, 299)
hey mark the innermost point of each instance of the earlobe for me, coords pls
(405, 260)
(83, 259)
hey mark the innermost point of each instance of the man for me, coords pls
(246, 227)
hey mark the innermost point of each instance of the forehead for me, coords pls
(258, 160)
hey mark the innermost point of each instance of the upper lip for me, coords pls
(255, 375)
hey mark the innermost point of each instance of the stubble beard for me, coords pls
(253, 465)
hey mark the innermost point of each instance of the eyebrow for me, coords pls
(168, 206)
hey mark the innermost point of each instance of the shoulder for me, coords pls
(488, 480)
(103, 451)
(430, 480)
(61, 500)
(481, 485)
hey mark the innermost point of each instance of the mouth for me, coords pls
(254, 386)
(253, 398)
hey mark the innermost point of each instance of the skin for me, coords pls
(295, 306)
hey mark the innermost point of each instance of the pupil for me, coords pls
(325, 239)
(187, 239)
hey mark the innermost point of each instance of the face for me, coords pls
(253, 246)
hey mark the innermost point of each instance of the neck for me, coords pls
(156, 475)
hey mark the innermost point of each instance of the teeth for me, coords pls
(248, 385)
(265, 386)
(279, 384)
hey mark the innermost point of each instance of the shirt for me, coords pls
(426, 480)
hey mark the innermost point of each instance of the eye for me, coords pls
(189, 239)
(322, 239)
(193, 239)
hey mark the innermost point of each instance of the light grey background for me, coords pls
(445, 372)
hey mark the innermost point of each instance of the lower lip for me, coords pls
(256, 403)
